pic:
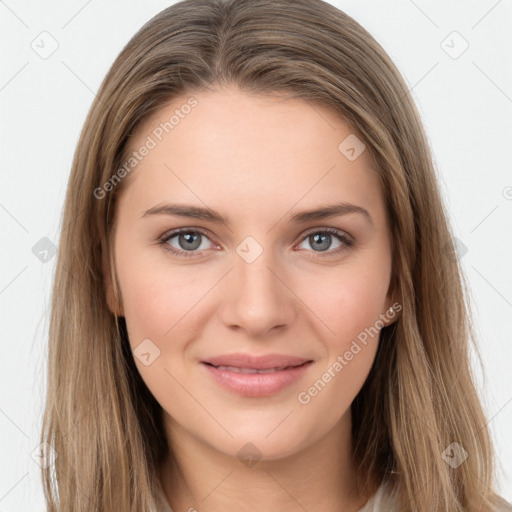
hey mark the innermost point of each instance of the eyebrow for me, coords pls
(205, 213)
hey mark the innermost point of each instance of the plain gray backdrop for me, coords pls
(455, 57)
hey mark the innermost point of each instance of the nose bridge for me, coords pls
(256, 299)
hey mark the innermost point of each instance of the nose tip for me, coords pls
(256, 299)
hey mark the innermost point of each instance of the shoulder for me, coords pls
(384, 500)
(502, 505)
(161, 504)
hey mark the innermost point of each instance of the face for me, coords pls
(271, 313)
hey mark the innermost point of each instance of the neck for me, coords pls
(318, 477)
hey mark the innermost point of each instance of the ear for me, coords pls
(393, 304)
(112, 301)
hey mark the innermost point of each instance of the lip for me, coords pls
(256, 376)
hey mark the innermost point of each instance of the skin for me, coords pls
(256, 160)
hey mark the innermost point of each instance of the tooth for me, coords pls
(247, 370)
(251, 370)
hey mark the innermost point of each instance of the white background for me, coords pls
(465, 103)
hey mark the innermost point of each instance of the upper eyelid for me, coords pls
(333, 231)
(173, 232)
(185, 229)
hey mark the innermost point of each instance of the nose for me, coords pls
(257, 297)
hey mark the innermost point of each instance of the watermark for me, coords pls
(460, 248)
(249, 249)
(44, 45)
(249, 455)
(150, 143)
(44, 455)
(146, 352)
(454, 45)
(44, 249)
(304, 397)
(454, 455)
(351, 147)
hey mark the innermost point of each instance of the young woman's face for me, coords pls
(212, 311)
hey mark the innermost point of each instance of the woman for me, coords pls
(257, 304)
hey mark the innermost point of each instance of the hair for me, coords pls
(103, 428)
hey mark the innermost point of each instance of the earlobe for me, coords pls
(393, 303)
(112, 301)
(392, 313)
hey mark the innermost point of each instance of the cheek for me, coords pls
(349, 302)
(350, 306)
(160, 316)
(168, 307)
(157, 301)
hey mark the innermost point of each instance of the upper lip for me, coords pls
(264, 362)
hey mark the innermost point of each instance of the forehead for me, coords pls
(237, 147)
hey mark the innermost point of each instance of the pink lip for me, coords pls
(288, 370)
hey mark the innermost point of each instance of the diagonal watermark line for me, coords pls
(14, 76)
(75, 15)
(199, 403)
(301, 301)
(286, 491)
(14, 423)
(424, 14)
(419, 418)
(198, 301)
(85, 414)
(109, 107)
(311, 105)
(488, 422)
(78, 488)
(492, 81)
(300, 199)
(410, 90)
(192, 191)
(501, 295)
(78, 77)
(484, 218)
(216, 487)
(280, 423)
(14, 218)
(13, 13)
(13, 279)
(70, 274)
(407, 507)
(12, 488)
(499, 1)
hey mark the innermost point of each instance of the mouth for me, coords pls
(251, 376)
(237, 369)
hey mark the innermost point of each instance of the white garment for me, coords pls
(382, 501)
(375, 504)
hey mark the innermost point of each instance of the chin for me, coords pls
(268, 438)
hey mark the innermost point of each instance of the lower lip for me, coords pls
(257, 384)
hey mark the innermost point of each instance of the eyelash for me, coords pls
(347, 243)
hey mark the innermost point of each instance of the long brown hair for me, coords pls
(102, 426)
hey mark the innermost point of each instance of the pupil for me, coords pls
(189, 238)
(326, 241)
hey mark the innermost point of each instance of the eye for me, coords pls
(187, 242)
(322, 240)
